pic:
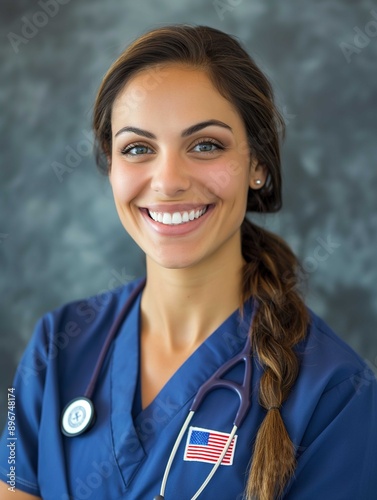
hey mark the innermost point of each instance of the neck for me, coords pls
(182, 307)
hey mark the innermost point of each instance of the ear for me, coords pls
(258, 174)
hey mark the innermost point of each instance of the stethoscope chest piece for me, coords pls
(77, 417)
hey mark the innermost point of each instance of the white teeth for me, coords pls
(177, 217)
(166, 219)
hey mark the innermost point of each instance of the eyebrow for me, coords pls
(187, 132)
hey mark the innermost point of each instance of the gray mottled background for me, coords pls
(60, 238)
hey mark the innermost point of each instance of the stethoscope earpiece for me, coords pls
(77, 417)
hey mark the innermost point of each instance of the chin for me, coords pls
(174, 261)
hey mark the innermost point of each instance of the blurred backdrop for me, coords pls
(60, 238)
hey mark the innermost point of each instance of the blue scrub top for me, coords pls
(331, 413)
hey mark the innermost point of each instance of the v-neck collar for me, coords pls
(134, 438)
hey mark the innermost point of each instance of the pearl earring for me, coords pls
(258, 182)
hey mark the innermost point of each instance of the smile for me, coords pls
(176, 218)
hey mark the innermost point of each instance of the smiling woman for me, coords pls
(188, 133)
(155, 173)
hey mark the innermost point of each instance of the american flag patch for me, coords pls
(205, 445)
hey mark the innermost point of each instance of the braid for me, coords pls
(280, 322)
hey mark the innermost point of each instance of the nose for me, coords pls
(170, 175)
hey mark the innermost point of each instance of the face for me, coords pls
(180, 168)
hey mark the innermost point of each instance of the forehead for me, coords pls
(171, 93)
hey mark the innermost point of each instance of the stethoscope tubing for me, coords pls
(112, 334)
(82, 407)
(175, 449)
(215, 382)
(217, 464)
(79, 415)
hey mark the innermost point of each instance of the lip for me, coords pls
(179, 229)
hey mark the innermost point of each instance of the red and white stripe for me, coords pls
(210, 452)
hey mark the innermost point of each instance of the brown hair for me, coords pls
(282, 319)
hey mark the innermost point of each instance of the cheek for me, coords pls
(126, 184)
(228, 180)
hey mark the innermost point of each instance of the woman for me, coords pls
(188, 133)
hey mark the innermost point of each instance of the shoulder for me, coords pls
(333, 380)
(104, 303)
(327, 356)
(332, 376)
(80, 322)
(99, 307)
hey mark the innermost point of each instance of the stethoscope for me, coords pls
(78, 416)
